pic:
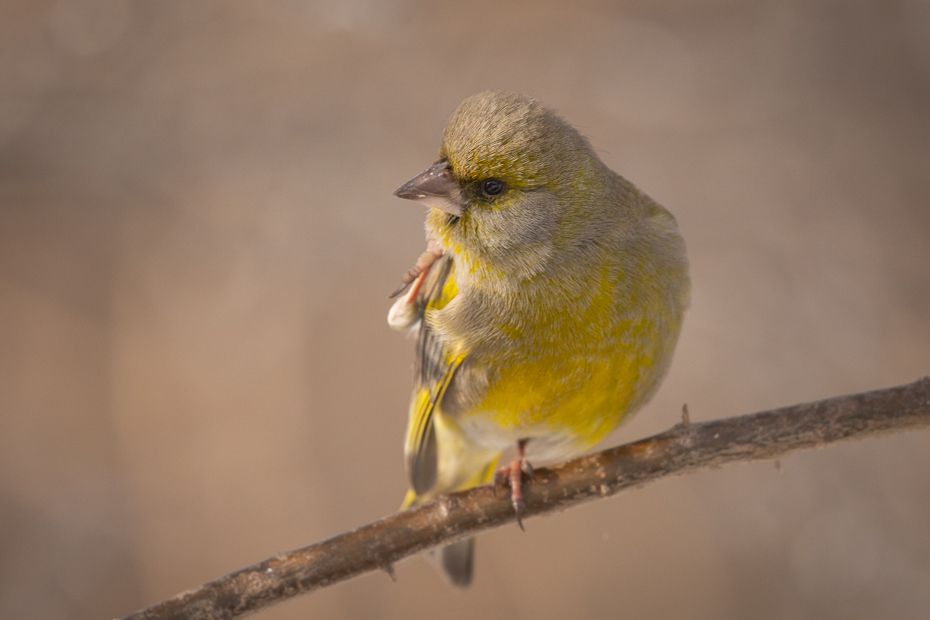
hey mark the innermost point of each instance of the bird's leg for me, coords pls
(512, 474)
(421, 268)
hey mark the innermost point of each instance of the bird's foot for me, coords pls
(513, 475)
(418, 272)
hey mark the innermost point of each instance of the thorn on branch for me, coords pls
(389, 569)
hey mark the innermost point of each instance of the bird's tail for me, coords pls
(455, 561)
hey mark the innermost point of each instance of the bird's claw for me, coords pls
(512, 475)
(518, 507)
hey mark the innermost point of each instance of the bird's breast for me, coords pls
(560, 363)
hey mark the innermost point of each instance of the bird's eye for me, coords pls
(492, 187)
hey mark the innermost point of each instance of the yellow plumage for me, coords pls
(552, 311)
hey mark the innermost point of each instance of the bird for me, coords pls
(546, 306)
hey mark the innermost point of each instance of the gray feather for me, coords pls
(458, 562)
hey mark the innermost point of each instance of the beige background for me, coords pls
(197, 236)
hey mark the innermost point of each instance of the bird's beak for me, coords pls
(435, 188)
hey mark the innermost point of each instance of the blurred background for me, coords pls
(197, 240)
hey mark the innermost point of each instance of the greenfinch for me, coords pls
(547, 304)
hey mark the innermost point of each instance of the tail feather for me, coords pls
(458, 562)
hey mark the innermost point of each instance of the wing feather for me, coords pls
(434, 368)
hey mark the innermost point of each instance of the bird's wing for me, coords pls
(434, 368)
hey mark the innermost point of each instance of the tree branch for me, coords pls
(684, 448)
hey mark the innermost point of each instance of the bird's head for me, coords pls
(511, 178)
